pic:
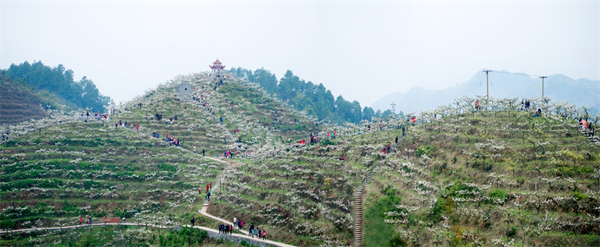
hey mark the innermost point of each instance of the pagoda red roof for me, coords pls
(217, 65)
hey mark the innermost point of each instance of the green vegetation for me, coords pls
(54, 176)
(310, 97)
(377, 231)
(59, 81)
(183, 237)
(111, 235)
(19, 102)
(488, 179)
(460, 178)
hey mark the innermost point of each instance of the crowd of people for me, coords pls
(226, 229)
(88, 220)
(208, 193)
(87, 115)
(169, 139)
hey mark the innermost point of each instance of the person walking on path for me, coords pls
(264, 235)
(203, 152)
(199, 190)
(80, 220)
(194, 149)
(193, 221)
(251, 230)
(230, 229)
(235, 221)
(210, 185)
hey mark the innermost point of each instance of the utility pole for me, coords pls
(543, 88)
(393, 106)
(487, 82)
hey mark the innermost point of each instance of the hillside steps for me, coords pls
(358, 204)
(593, 139)
(225, 131)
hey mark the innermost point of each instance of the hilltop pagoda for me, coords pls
(217, 68)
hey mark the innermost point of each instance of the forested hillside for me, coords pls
(59, 80)
(313, 98)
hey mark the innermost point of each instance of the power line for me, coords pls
(474, 88)
(508, 73)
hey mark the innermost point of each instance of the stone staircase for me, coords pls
(593, 139)
(358, 205)
(358, 208)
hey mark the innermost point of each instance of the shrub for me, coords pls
(185, 236)
(397, 241)
(244, 243)
(425, 149)
(580, 196)
(511, 232)
(500, 194)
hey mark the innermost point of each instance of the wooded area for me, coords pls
(59, 80)
(315, 99)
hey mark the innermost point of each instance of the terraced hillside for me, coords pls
(52, 176)
(18, 102)
(259, 117)
(505, 178)
(243, 106)
(302, 195)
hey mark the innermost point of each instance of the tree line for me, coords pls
(313, 98)
(59, 80)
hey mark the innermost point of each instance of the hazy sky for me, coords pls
(361, 50)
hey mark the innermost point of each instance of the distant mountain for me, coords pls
(502, 84)
(385, 102)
